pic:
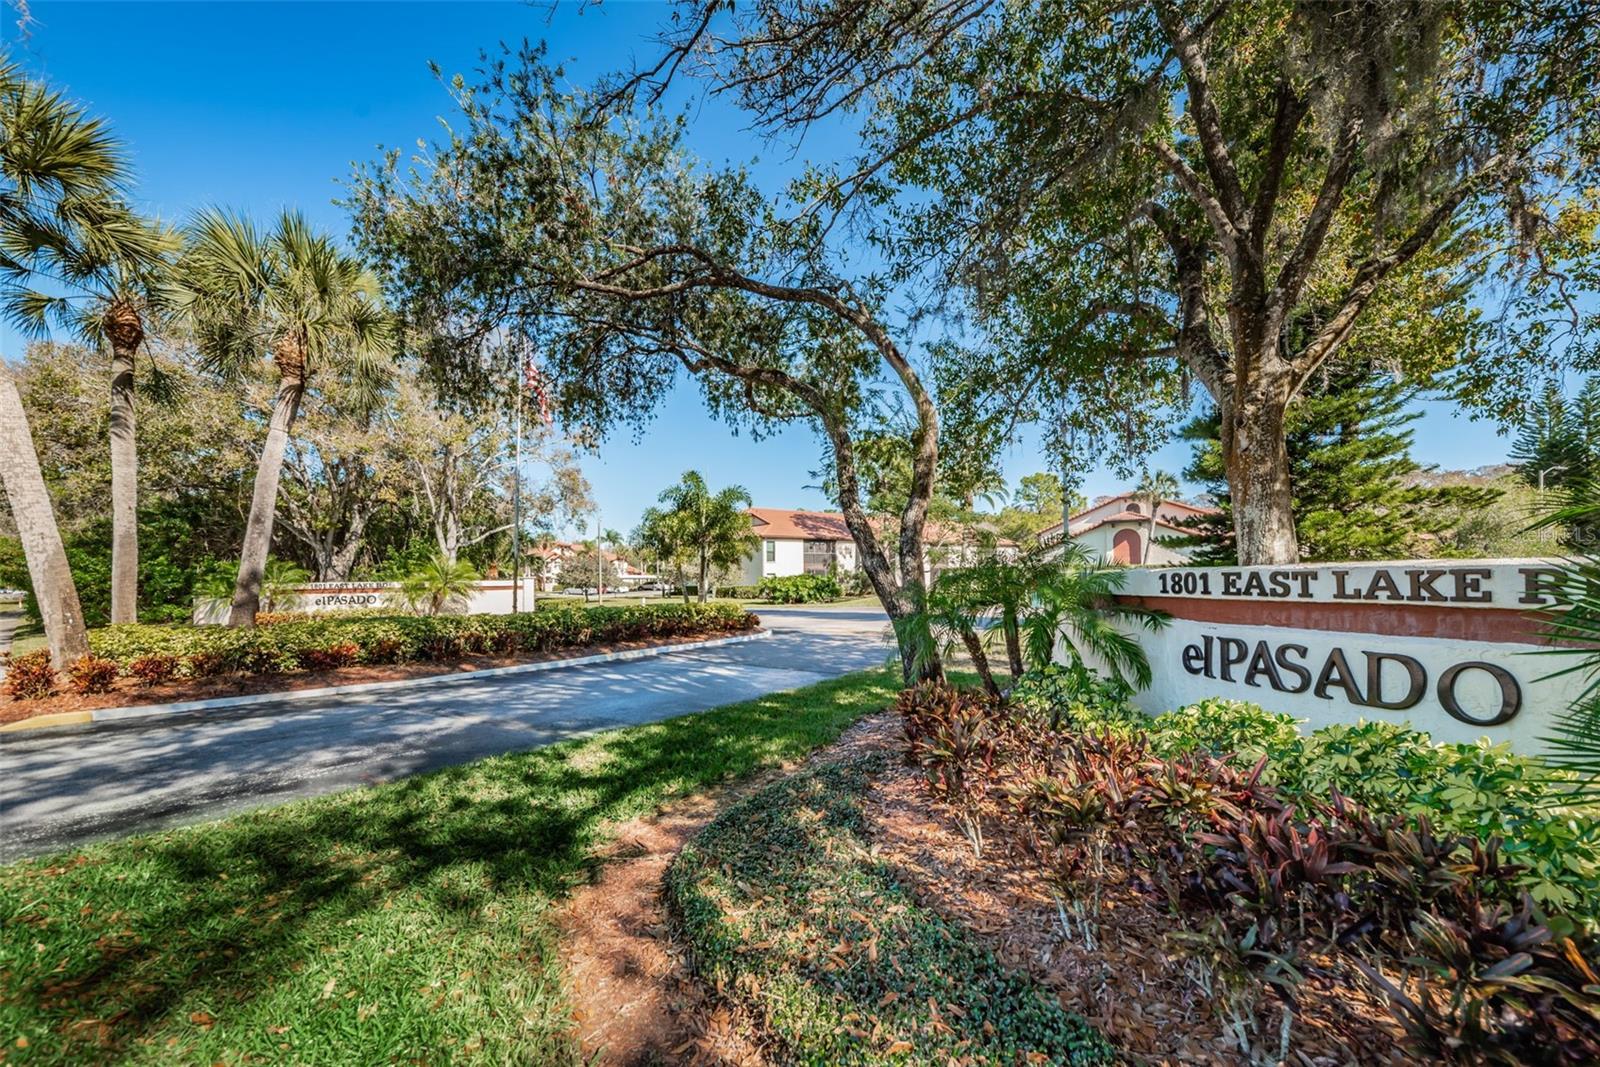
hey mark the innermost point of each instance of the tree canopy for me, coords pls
(1228, 193)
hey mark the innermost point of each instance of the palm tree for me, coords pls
(1074, 606)
(951, 611)
(437, 583)
(293, 297)
(1004, 591)
(661, 533)
(714, 526)
(1037, 604)
(1574, 622)
(1153, 488)
(116, 291)
(60, 175)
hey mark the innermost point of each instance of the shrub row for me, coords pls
(800, 588)
(154, 654)
(787, 911)
(1486, 791)
(1455, 859)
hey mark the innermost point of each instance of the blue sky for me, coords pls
(259, 106)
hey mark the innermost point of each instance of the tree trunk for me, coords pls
(705, 568)
(343, 560)
(1257, 461)
(264, 503)
(980, 659)
(36, 525)
(1013, 635)
(126, 335)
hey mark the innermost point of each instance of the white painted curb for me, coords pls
(139, 711)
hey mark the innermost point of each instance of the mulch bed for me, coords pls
(636, 1001)
(1120, 969)
(128, 692)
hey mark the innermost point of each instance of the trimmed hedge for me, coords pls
(788, 912)
(325, 641)
(800, 588)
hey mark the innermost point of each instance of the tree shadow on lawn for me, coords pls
(410, 921)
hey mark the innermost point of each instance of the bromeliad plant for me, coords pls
(1446, 889)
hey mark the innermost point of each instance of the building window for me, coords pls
(1136, 509)
(772, 551)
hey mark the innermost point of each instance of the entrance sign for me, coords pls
(489, 596)
(1448, 647)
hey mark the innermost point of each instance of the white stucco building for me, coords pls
(1118, 529)
(813, 542)
(797, 542)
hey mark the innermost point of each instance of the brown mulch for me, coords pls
(128, 692)
(1120, 969)
(636, 1000)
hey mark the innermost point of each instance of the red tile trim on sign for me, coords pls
(1497, 625)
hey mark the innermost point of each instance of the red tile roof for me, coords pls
(782, 524)
(1054, 529)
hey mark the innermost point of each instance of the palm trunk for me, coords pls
(264, 503)
(980, 659)
(704, 573)
(1013, 635)
(36, 525)
(1258, 479)
(124, 488)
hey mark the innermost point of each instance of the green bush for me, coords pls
(1483, 790)
(800, 588)
(787, 911)
(301, 642)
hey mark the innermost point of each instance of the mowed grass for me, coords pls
(410, 922)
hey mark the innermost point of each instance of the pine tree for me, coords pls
(1551, 446)
(1557, 451)
(1350, 464)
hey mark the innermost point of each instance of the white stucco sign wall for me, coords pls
(1450, 647)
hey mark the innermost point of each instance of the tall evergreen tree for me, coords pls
(1549, 450)
(1349, 446)
(1557, 450)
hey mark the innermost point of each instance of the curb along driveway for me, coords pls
(68, 789)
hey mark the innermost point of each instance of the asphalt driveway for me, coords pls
(73, 788)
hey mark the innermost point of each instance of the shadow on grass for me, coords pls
(410, 921)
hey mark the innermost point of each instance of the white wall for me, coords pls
(789, 558)
(1452, 640)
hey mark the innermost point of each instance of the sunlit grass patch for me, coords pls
(410, 921)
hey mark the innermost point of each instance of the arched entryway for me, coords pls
(1125, 548)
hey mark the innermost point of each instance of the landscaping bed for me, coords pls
(156, 664)
(409, 922)
(788, 913)
(1102, 945)
(129, 692)
(1211, 886)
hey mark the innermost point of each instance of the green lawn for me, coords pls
(409, 922)
(788, 910)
